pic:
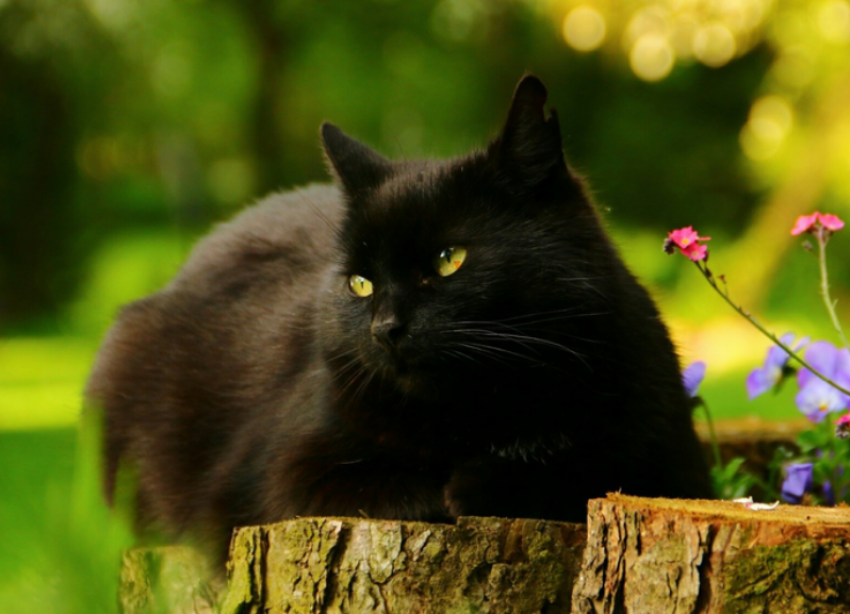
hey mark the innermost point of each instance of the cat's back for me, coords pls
(253, 279)
(220, 342)
(288, 235)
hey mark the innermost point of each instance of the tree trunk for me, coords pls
(663, 555)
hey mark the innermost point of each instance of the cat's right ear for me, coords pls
(355, 165)
(530, 144)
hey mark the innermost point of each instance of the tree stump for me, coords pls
(487, 565)
(642, 556)
(168, 579)
(664, 555)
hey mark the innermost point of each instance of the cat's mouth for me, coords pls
(408, 373)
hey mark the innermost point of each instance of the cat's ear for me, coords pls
(530, 144)
(355, 165)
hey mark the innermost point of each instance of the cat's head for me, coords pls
(467, 263)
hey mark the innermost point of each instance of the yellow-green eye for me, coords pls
(361, 286)
(449, 261)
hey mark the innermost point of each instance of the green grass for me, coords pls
(61, 545)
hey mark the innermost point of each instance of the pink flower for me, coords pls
(687, 240)
(842, 427)
(831, 222)
(810, 223)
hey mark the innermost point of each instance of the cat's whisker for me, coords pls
(351, 380)
(364, 385)
(462, 355)
(491, 349)
(523, 340)
(346, 368)
(487, 352)
(335, 357)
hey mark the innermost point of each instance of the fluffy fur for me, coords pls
(257, 387)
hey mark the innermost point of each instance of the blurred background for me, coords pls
(129, 127)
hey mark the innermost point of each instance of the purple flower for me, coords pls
(816, 398)
(763, 379)
(692, 377)
(828, 493)
(798, 481)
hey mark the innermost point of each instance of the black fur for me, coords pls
(257, 387)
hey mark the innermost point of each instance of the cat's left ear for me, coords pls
(530, 144)
(357, 166)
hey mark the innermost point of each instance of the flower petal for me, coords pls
(776, 357)
(695, 251)
(692, 377)
(841, 373)
(804, 223)
(830, 221)
(683, 237)
(823, 357)
(817, 399)
(761, 380)
(798, 481)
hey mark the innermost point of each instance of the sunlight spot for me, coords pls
(795, 67)
(714, 45)
(171, 72)
(584, 28)
(770, 120)
(652, 57)
(683, 31)
(457, 19)
(834, 21)
(775, 109)
(114, 14)
(742, 15)
(652, 20)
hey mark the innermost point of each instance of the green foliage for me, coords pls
(61, 546)
(732, 481)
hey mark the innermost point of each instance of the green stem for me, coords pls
(709, 276)
(823, 237)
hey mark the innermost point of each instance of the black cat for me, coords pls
(429, 339)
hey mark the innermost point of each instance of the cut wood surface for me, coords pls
(664, 555)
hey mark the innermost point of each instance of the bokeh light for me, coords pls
(714, 45)
(652, 57)
(834, 21)
(584, 28)
(769, 122)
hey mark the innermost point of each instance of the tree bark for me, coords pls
(324, 565)
(168, 579)
(335, 565)
(663, 555)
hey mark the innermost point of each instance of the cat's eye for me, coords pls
(360, 286)
(449, 261)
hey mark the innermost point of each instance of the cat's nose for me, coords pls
(387, 331)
